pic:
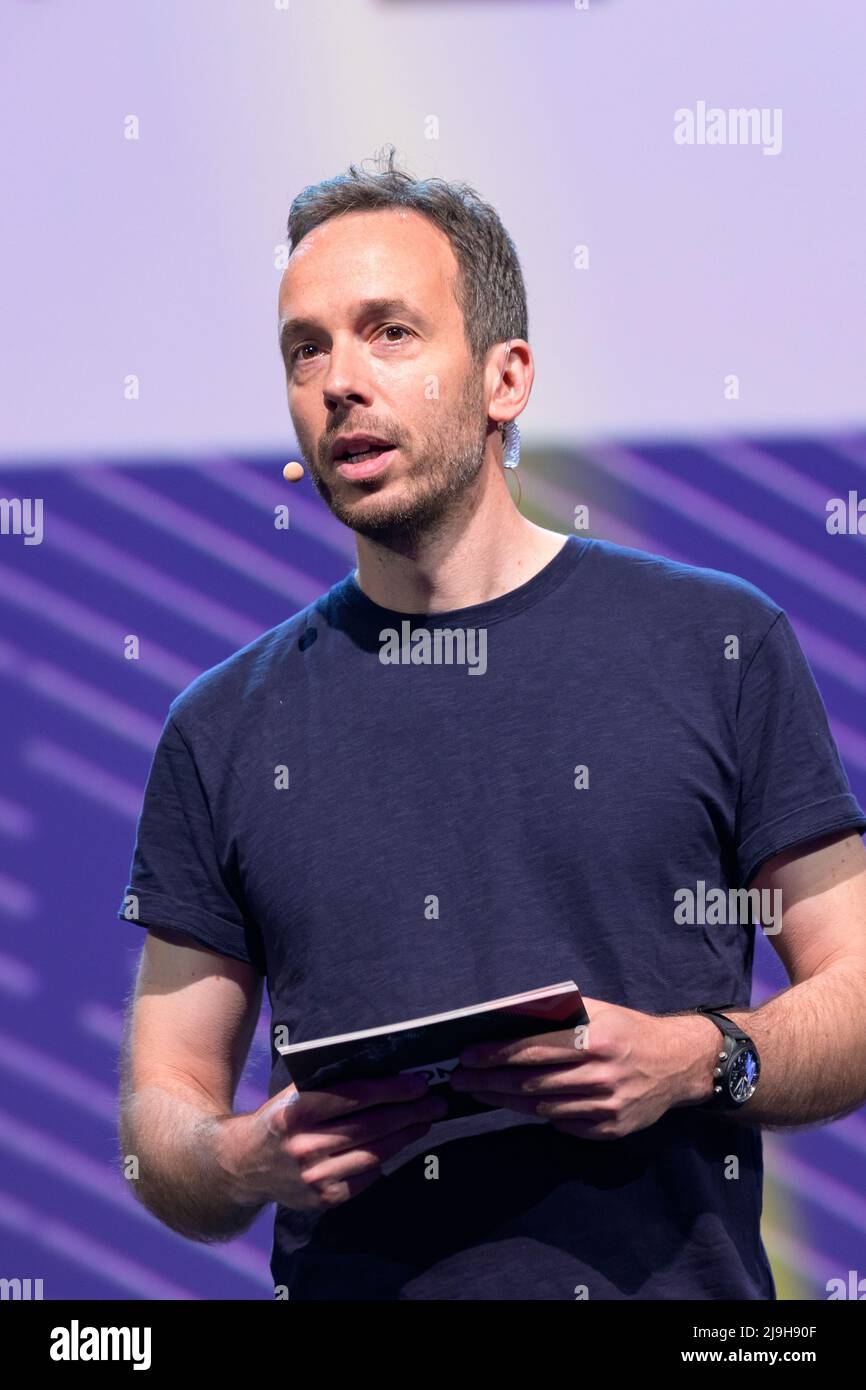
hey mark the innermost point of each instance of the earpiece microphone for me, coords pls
(293, 472)
(510, 433)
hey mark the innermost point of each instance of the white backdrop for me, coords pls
(155, 257)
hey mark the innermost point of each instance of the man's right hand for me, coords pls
(314, 1150)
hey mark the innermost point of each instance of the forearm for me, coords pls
(811, 1040)
(174, 1134)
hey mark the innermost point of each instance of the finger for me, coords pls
(293, 1108)
(559, 1108)
(563, 1045)
(578, 1108)
(524, 1080)
(369, 1125)
(336, 1193)
(361, 1160)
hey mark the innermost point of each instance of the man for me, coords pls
(382, 836)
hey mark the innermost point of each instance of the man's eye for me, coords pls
(295, 353)
(398, 327)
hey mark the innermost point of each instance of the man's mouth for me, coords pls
(349, 446)
(373, 452)
(361, 456)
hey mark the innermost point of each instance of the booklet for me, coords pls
(433, 1045)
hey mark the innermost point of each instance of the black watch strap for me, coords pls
(727, 1025)
(734, 1034)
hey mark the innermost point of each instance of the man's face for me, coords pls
(399, 371)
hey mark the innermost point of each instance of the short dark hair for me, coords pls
(489, 291)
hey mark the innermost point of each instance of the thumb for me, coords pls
(278, 1108)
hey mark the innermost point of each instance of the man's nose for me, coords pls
(347, 377)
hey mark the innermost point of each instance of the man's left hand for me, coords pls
(617, 1074)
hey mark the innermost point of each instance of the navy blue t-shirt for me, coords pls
(385, 840)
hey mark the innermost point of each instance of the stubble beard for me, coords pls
(439, 483)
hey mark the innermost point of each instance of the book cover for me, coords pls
(433, 1045)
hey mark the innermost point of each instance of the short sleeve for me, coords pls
(793, 787)
(176, 879)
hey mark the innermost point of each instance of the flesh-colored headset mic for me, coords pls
(293, 472)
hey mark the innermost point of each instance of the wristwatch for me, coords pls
(736, 1073)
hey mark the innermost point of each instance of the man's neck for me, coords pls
(467, 561)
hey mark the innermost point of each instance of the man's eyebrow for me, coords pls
(366, 308)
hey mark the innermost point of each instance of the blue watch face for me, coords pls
(743, 1075)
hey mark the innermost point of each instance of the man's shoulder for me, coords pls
(242, 681)
(646, 581)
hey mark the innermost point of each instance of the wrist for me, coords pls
(228, 1137)
(695, 1044)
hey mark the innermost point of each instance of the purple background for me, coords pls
(186, 556)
